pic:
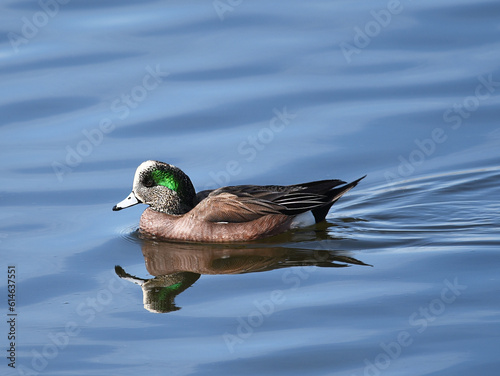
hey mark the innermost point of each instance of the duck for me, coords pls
(228, 214)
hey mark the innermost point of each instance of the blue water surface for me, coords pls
(402, 279)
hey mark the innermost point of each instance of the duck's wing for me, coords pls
(248, 202)
(233, 205)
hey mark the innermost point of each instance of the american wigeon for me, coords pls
(236, 213)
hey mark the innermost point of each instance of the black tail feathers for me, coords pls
(333, 195)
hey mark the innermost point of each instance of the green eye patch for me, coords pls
(168, 289)
(166, 179)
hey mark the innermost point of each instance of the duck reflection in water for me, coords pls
(176, 267)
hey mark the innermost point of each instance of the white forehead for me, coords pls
(146, 165)
(143, 166)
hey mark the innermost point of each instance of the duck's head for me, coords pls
(165, 188)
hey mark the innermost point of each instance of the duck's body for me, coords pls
(228, 214)
(195, 229)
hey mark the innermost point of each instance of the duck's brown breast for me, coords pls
(187, 227)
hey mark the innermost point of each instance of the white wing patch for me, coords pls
(303, 220)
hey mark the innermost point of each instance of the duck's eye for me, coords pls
(148, 182)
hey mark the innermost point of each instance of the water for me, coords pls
(401, 279)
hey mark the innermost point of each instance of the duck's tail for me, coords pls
(332, 197)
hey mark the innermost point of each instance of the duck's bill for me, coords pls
(131, 200)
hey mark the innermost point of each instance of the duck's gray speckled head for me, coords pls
(165, 188)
